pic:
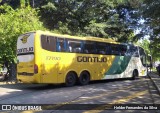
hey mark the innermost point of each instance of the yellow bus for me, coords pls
(45, 57)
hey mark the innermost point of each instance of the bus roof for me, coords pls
(77, 37)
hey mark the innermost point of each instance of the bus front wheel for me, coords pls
(84, 78)
(70, 79)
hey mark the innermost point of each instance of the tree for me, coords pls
(150, 11)
(13, 3)
(98, 18)
(13, 23)
(155, 48)
(145, 44)
(143, 16)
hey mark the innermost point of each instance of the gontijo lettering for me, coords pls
(91, 59)
(25, 50)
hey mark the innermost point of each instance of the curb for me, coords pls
(158, 89)
(8, 82)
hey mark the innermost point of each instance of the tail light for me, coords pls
(35, 69)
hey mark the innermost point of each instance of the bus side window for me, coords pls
(89, 47)
(128, 52)
(115, 49)
(74, 46)
(132, 51)
(61, 45)
(48, 43)
(101, 48)
(70, 49)
(108, 49)
(122, 50)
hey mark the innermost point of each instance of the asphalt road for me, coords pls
(99, 96)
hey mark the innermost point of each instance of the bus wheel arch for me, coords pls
(135, 74)
(71, 78)
(84, 77)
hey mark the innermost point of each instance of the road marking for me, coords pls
(119, 101)
(84, 97)
(28, 111)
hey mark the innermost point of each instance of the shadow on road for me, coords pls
(24, 86)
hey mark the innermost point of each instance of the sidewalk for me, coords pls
(8, 82)
(156, 80)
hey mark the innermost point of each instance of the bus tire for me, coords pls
(84, 78)
(70, 79)
(135, 74)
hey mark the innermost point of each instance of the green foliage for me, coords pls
(145, 45)
(150, 48)
(155, 49)
(98, 18)
(151, 12)
(13, 23)
(116, 19)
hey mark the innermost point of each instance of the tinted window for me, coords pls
(108, 49)
(122, 50)
(74, 46)
(115, 49)
(101, 48)
(89, 47)
(132, 51)
(48, 43)
(61, 45)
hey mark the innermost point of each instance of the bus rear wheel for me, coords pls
(70, 79)
(84, 78)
